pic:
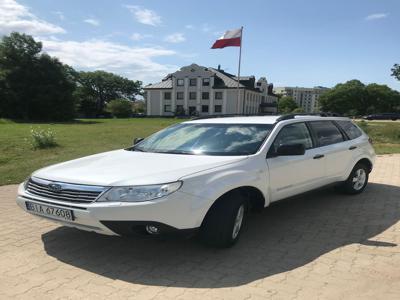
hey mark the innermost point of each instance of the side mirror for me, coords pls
(137, 140)
(293, 149)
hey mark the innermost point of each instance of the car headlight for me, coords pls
(140, 193)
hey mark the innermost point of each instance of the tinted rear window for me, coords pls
(326, 133)
(351, 130)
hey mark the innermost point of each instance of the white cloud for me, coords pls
(17, 17)
(92, 21)
(218, 33)
(206, 28)
(175, 38)
(132, 62)
(144, 15)
(189, 26)
(376, 16)
(60, 15)
(138, 36)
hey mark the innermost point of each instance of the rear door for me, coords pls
(334, 146)
(355, 141)
(291, 175)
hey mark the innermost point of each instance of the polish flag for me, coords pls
(231, 38)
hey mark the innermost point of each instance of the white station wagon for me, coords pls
(202, 175)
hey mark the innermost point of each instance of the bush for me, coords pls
(180, 112)
(42, 138)
(120, 108)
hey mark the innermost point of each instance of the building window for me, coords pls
(193, 82)
(192, 95)
(180, 110)
(206, 81)
(180, 82)
(218, 108)
(179, 95)
(167, 108)
(218, 95)
(192, 110)
(205, 95)
(204, 108)
(167, 96)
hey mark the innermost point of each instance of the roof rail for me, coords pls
(216, 116)
(229, 116)
(320, 114)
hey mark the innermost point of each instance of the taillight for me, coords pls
(370, 140)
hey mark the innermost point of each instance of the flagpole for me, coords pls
(238, 77)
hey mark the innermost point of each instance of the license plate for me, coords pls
(58, 213)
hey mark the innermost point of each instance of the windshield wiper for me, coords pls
(137, 149)
(176, 152)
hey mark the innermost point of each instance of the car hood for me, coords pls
(122, 167)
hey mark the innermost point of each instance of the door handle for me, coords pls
(318, 156)
(353, 147)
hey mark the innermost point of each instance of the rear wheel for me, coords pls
(223, 223)
(357, 180)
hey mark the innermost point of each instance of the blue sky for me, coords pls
(291, 42)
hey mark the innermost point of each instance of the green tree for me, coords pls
(298, 110)
(33, 85)
(120, 108)
(345, 97)
(104, 87)
(85, 104)
(396, 71)
(139, 107)
(355, 98)
(381, 98)
(286, 105)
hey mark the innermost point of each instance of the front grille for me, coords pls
(71, 193)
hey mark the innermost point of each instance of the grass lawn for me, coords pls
(85, 137)
(385, 135)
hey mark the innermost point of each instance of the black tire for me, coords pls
(218, 225)
(353, 187)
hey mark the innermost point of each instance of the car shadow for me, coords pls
(285, 236)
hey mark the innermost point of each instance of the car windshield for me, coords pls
(206, 139)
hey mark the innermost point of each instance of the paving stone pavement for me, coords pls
(321, 245)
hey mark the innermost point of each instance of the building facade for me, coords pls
(306, 98)
(198, 90)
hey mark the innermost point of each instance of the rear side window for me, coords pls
(292, 134)
(326, 133)
(351, 130)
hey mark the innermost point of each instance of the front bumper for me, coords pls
(176, 212)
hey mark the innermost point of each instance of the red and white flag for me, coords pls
(231, 38)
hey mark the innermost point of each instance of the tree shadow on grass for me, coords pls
(285, 236)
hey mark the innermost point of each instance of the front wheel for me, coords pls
(223, 223)
(357, 181)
